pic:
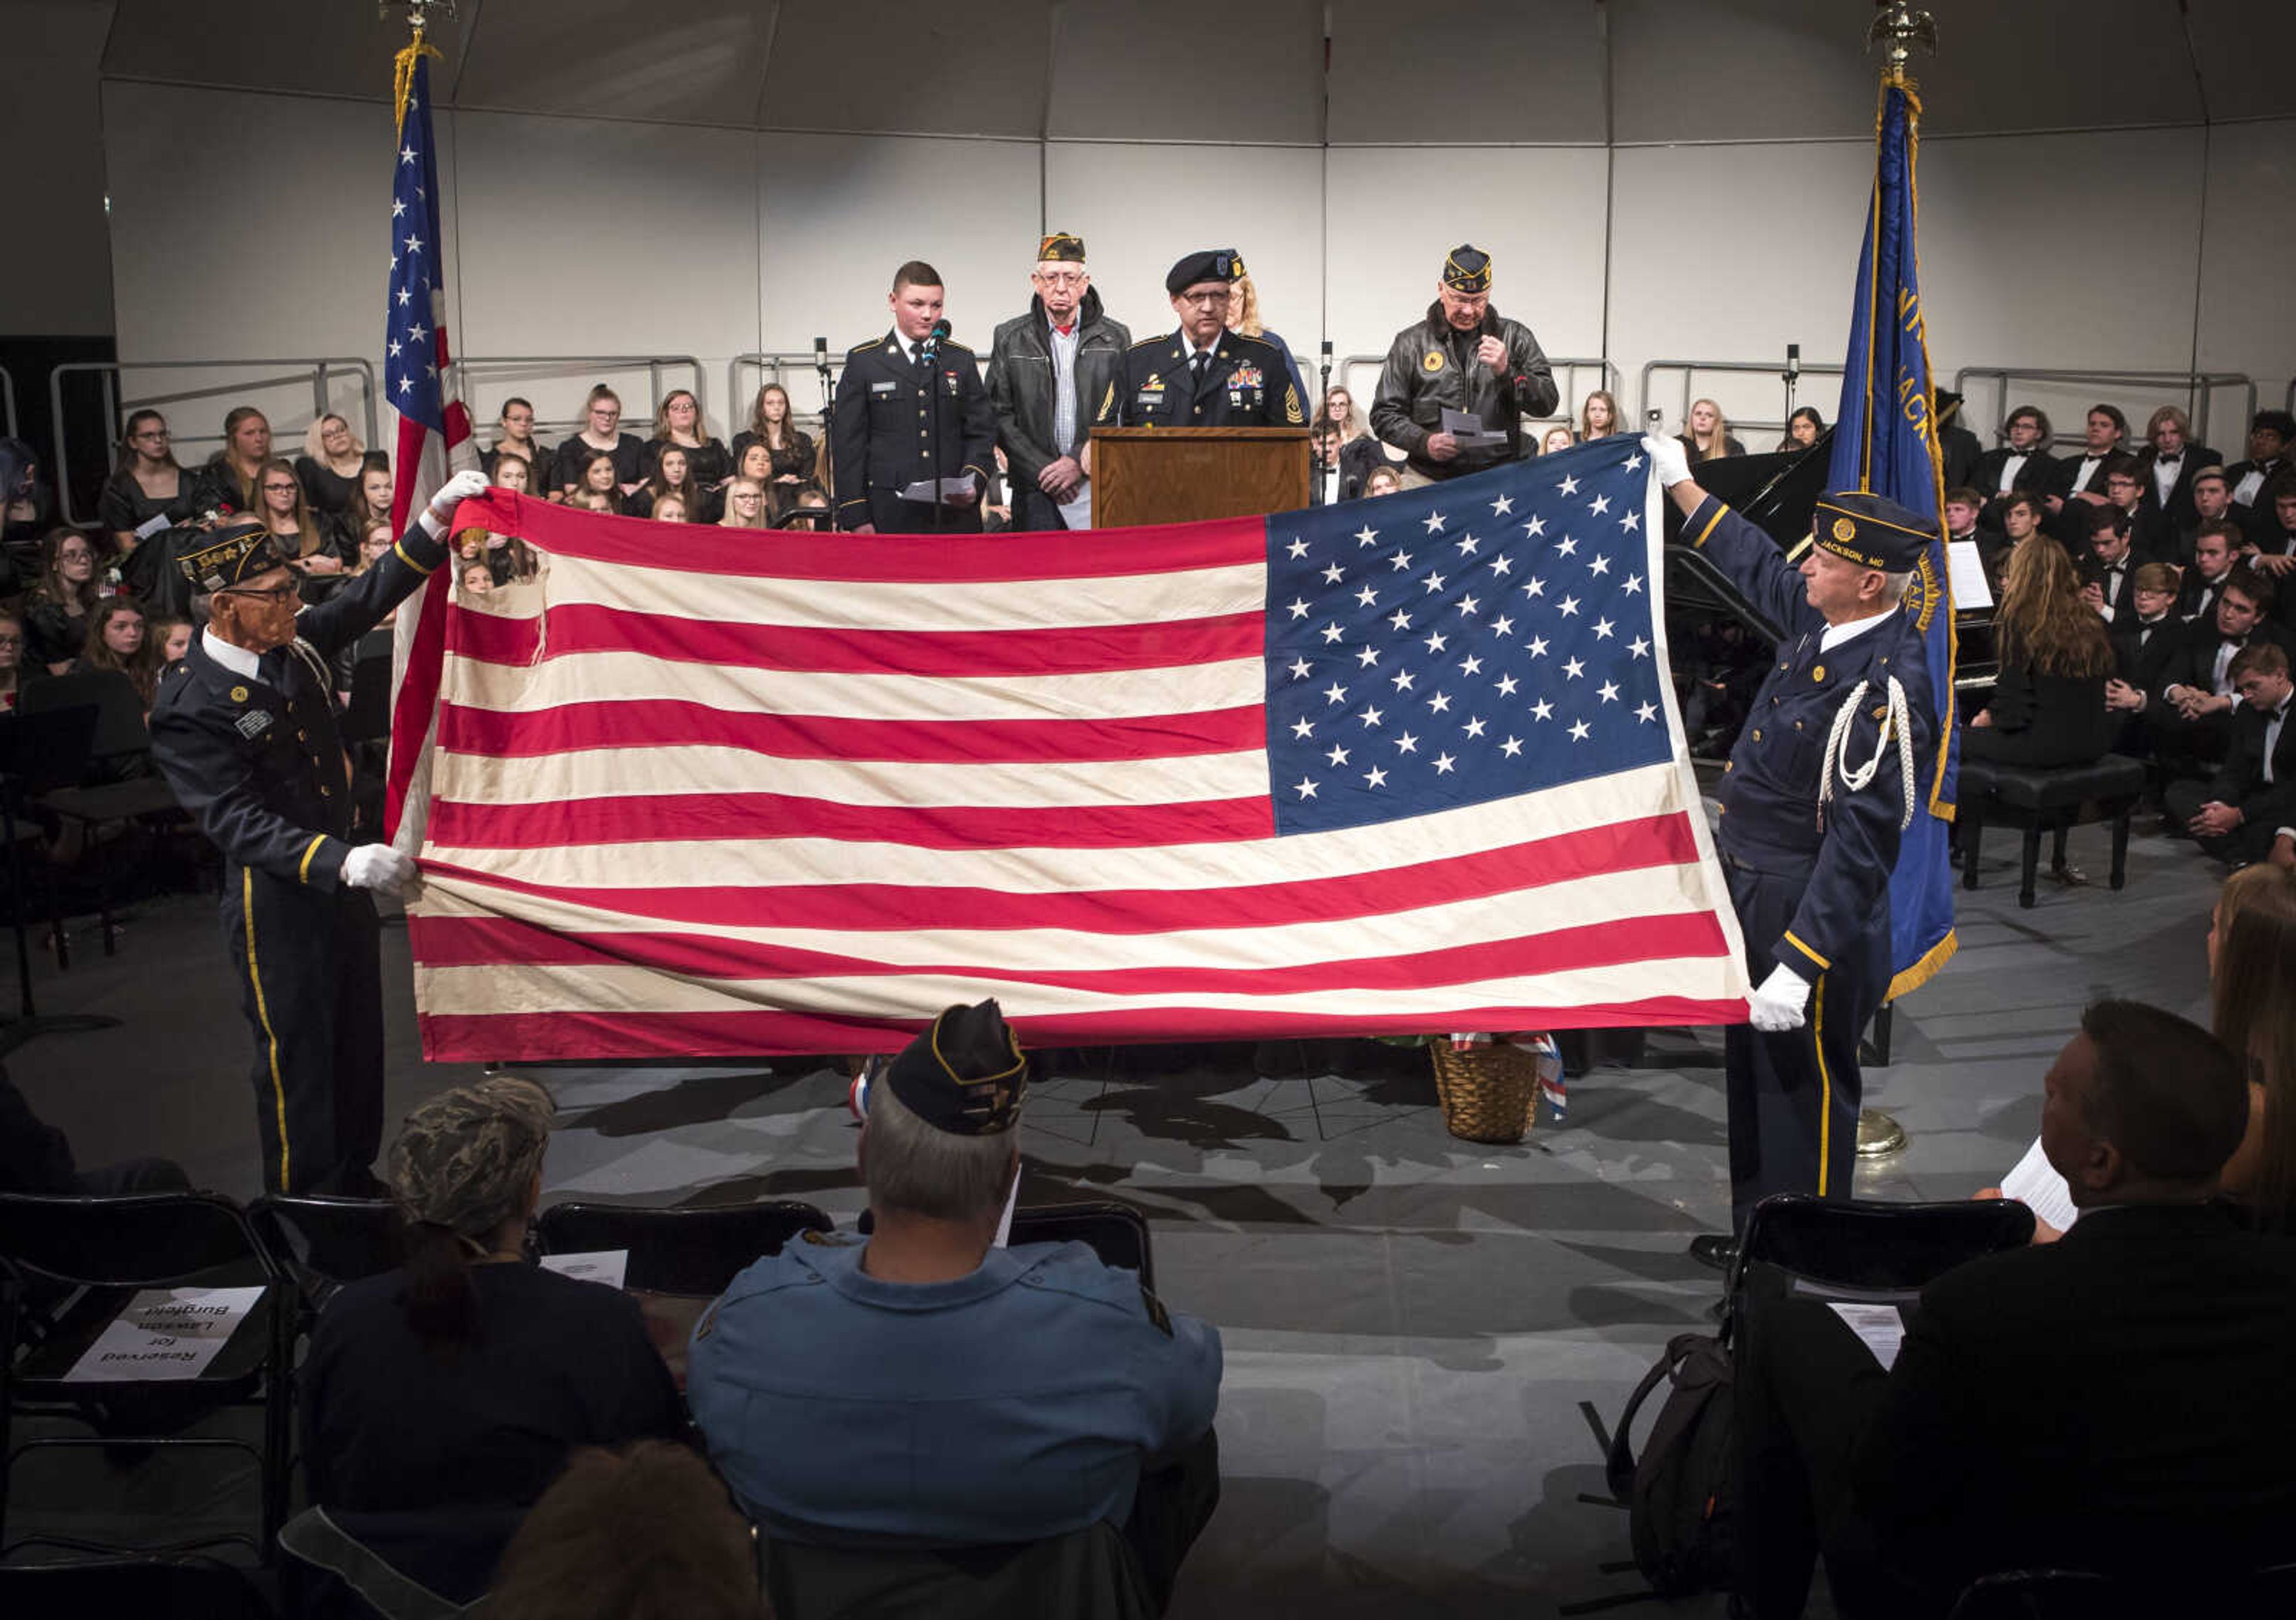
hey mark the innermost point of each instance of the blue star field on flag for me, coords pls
(411, 382)
(1469, 642)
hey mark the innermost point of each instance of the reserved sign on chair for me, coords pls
(164, 1333)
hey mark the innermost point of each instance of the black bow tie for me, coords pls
(2168, 461)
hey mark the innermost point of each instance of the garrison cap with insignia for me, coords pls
(231, 556)
(1211, 265)
(1467, 269)
(966, 1075)
(1871, 531)
(1060, 245)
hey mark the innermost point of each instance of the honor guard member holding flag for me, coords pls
(924, 1386)
(1465, 356)
(1203, 375)
(911, 410)
(245, 733)
(1819, 790)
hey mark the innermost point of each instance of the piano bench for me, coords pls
(2041, 799)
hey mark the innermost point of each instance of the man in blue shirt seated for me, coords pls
(924, 1388)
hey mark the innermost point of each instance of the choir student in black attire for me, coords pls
(146, 483)
(229, 477)
(670, 477)
(597, 480)
(790, 447)
(57, 608)
(2048, 706)
(601, 433)
(330, 466)
(678, 425)
(515, 435)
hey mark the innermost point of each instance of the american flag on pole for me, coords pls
(1402, 765)
(434, 430)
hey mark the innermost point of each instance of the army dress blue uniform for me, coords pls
(1811, 886)
(882, 436)
(1013, 1403)
(258, 762)
(1246, 384)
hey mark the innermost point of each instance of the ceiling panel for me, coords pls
(324, 49)
(1750, 70)
(703, 61)
(1489, 75)
(2057, 64)
(2244, 49)
(955, 66)
(1188, 70)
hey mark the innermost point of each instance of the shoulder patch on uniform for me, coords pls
(1291, 412)
(1157, 1313)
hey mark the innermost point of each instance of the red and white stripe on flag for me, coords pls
(700, 792)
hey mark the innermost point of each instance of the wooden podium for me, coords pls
(1181, 474)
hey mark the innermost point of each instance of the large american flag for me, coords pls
(1406, 764)
(434, 430)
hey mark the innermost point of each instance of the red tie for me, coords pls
(1064, 331)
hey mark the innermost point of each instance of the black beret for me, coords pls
(231, 556)
(1211, 265)
(1062, 246)
(966, 1075)
(1467, 269)
(1872, 531)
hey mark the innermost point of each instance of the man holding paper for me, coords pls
(1457, 384)
(913, 443)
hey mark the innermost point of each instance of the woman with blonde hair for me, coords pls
(1705, 433)
(231, 473)
(789, 448)
(745, 505)
(2049, 704)
(330, 466)
(1598, 416)
(677, 425)
(1243, 317)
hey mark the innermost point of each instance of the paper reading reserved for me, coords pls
(606, 1265)
(1878, 1327)
(164, 1333)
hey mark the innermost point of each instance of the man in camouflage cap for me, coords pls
(470, 1159)
(927, 1387)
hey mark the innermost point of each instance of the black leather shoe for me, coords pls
(1714, 1249)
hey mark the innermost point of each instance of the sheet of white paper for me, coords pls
(147, 530)
(1967, 568)
(1078, 513)
(929, 490)
(1878, 1327)
(1468, 430)
(606, 1265)
(164, 1333)
(2036, 1184)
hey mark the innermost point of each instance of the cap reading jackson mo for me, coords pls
(1211, 265)
(235, 555)
(1871, 531)
(966, 1075)
(1062, 246)
(1467, 269)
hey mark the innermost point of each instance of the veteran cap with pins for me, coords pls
(1871, 531)
(1062, 246)
(231, 556)
(1467, 269)
(966, 1076)
(1211, 265)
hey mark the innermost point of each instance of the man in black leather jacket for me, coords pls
(1065, 339)
(1467, 356)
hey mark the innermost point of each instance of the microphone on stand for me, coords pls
(930, 350)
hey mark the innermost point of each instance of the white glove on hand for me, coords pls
(378, 866)
(1777, 1004)
(467, 485)
(1668, 460)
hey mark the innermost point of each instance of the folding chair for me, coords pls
(694, 1252)
(1087, 1574)
(1116, 1232)
(67, 1266)
(1849, 1249)
(206, 1588)
(119, 783)
(320, 1243)
(2079, 1594)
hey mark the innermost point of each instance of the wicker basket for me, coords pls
(1489, 1093)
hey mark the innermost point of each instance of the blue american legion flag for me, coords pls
(1884, 441)
(1409, 765)
(434, 432)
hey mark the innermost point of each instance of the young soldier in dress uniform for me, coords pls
(244, 730)
(1825, 777)
(925, 1384)
(895, 414)
(1203, 375)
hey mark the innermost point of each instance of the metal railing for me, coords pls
(2198, 389)
(1567, 375)
(497, 369)
(770, 368)
(1690, 371)
(8, 403)
(321, 373)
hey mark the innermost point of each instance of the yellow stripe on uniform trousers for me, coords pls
(1825, 1085)
(262, 1016)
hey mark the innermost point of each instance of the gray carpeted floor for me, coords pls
(1411, 1321)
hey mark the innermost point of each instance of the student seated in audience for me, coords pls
(2191, 718)
(1383, 480)
(12, 671)
(286, 512)
(227, 481)
(1805, 427)
(1706, 435)
(677, 425)
(2150, 535)
(512, 471)
(925, 1387)
(2236, 814)
(2024, 462)
(669, 508)
(670, 477)
(1598, 416)
(173, 637)
(1359, 452)
(2273, 542)
(1557, 437)
(463, 1379)
(330, 466)
(2269, 435)
(147, 482)
(2080, 479)
(2118, 1402)
(2210, 496)
(117, 643)
(2172, 464)
(2216, 548)
(370, 506)
(788, 449)
(601, 435)
(514, 436)
(645, 1532)
(598, 483)
(2105, 571)
(2143, 644)
(2048, 705)
(808, 508)
(1963, 508)
(745, 505)
(56, 610)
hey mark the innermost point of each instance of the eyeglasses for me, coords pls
(264, 593)
(747, 494)
(149, 433)
(12, 640)
(1061, 278)
(279, 489)
(74, 556)
(1205, 299)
